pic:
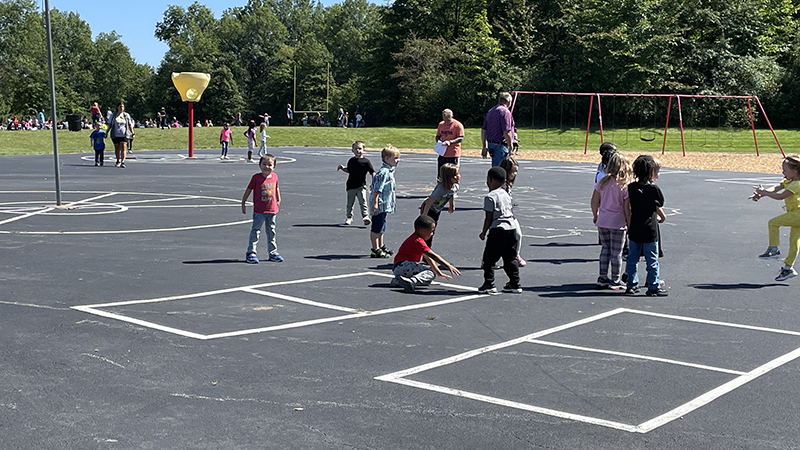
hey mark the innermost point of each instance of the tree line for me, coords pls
(405, 61)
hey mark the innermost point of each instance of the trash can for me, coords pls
(74, 122)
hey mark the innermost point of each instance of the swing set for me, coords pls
(645, 135)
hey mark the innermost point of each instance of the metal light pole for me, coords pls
(53, 115)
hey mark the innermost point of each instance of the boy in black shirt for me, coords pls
(643, 213)
(357, 169)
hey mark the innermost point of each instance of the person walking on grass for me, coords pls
(383, 201)
(787, 190)
(501, 241)
(643, 213)
(357, 169)
(408, 272)
(266, 202)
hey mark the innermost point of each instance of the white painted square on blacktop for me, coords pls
(116, 310)
(736, 378)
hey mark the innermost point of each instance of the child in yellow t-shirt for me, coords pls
(789, 191)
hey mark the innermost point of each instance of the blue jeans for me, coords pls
(224, 148)
(650, 250)
(259, 220)
(498, 152)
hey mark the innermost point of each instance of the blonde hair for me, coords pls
(793, 162)
(447, 172)
(262, 127)
(618, 168)
(389, 151)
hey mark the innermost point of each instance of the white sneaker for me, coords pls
(348, 221)
(367, 221)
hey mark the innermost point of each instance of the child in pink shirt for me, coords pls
(608, 201)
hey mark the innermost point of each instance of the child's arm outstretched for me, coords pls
(595, 205)
(432, 258)
(487, 223)
(778, 192)
(244, 200)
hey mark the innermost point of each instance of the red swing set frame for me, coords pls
(677, 97)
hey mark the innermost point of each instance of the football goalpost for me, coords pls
(649, 109)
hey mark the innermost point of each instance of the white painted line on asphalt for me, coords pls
(490, 348)
(24, 216)
(256, 289)
(285, 326)
(636, 356)
(88, 200)
(147, 230)
(512, 404)
(225, 291)
(680, 411)
(143, 323)
(712, 322)
(300, 300)
(714, 394)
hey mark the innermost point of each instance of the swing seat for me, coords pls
(647, 139)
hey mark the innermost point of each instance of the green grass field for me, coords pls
(696, 140)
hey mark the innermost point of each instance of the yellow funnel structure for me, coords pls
(190, 84)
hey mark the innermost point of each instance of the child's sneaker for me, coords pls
(615, 285)
(387, 251)
(771, 252)
(657, 292)
(786, 274)
(378, 253)
(513, 289)
(275, 257)
(602, 282)
(487, 288)
(407, 283)
(251, 259)
(632, 290)
(348, 221)
(367, 221)
(519, 262)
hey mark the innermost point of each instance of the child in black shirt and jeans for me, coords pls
(357, 169)
(643, 213)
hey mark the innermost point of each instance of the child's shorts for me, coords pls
(379, 223)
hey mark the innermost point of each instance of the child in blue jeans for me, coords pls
(383, 200)
(266, 200)
(643, 213)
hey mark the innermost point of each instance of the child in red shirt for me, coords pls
(266, 200)
(408, 272)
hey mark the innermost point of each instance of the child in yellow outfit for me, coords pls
(789, 191)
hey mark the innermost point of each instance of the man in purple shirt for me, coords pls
(496, 133)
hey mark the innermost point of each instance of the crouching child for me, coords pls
(408, 272)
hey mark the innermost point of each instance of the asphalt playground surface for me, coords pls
(129, 319)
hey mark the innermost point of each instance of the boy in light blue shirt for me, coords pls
(383, 200)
